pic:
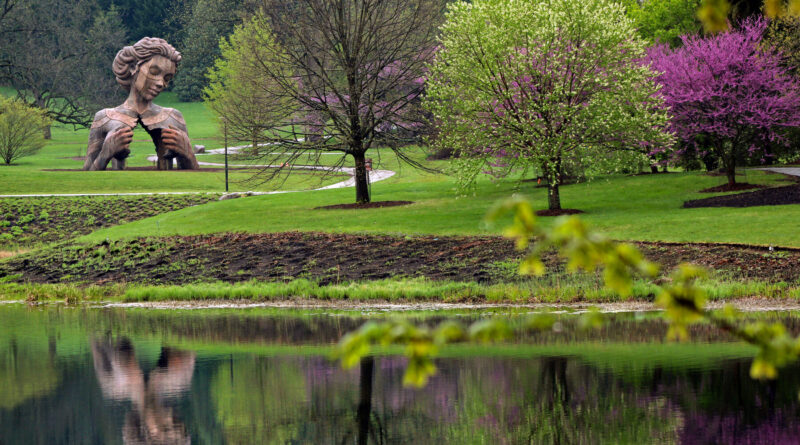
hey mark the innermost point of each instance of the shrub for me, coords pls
(20, 129)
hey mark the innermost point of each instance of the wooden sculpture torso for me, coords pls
(102, 150)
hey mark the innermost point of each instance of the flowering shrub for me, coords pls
(729, 94)
(542, 86)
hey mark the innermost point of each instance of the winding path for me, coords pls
(374, 176)
(791, 171)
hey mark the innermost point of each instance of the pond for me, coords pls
(261, 376)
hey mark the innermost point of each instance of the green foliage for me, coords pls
(664, 21)
(143, 18)
(784, 34)
(57, 55)
(520, 85)
(714, 13)
(20, 129)
(239, 93)
(203, 23)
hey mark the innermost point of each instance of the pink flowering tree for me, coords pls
(539, 86)
(728, 94)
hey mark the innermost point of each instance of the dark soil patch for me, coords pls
(560, 212)
(323, 257)
(367, 205)
(774, 196)
(739, 186)
(32, 220)
(331, 258)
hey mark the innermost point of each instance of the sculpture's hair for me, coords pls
(129, 57)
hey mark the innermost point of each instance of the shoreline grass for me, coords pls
(389, 290)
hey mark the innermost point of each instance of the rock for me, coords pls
(235, 195)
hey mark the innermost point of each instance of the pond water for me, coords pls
(144, 376)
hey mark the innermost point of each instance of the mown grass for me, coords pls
(28, 175)
(646, 208)
(570, 289)
(624, 207)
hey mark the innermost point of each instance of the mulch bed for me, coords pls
(789, 194)
(558, 212)
(739, 186)
(366, 205)
(331, 258)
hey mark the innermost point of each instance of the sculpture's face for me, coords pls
(153, 76)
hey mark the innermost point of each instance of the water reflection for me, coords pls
(151, 419)
(136, 377)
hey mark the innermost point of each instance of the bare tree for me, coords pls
(350, 73)
(58, 56)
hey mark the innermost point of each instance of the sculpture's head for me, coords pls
(148, 66)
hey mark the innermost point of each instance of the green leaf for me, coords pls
(419, 370)
(493, 330)
(763, 370)
(541, 322)
(593, 319)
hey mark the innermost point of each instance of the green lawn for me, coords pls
(28, 175)
(624, 207)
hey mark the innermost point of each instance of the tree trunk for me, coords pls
(653, 168)
(710, 161)
(553, 197)
(730, 169)
(362, 181)
(364, 411)
(47, 133)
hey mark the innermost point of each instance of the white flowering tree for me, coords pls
(542, 84)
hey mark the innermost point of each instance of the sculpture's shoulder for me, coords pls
(175, 114)
(114, 116)
(101, 118)
(162, 116)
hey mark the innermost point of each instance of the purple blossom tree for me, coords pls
(728, 94)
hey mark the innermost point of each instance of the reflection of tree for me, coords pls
(151, 421)
(26, 371)
(259, 400)
(364, 411)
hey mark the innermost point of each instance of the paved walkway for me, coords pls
(793, 171)
(374, 176)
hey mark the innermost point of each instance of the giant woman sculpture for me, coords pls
(144, 69)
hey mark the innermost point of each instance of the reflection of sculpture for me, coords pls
(144, 69)
(151, 421)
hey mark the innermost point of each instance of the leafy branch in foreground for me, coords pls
(682, 300)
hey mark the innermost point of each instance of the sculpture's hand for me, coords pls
(116, 146)
(176, 141)
(121, 138)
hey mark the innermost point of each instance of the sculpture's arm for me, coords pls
(108, 139)
(175, 138)
(96, 137)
